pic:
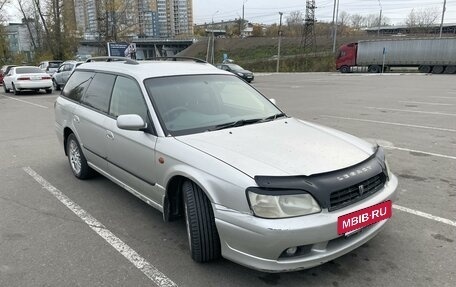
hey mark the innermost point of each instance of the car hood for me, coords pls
(243, 71)
(282, 147)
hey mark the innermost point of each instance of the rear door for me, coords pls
(90, 119)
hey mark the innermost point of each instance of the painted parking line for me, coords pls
(438, 97)
(426, 103)
(131, 255)
(420, 152)
(425, 215)
(390, 123)
(30, 103)
(412, 111)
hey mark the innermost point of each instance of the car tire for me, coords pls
(344, 69)
(48, 91)
(56, 86)
(5, 89)
(76, 158)
(15, 91)
(203, 238)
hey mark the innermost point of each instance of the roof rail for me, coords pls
(176, 58)
(112, 59)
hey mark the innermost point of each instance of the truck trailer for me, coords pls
(428, 55)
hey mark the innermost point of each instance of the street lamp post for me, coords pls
(280, 42)
(241, 27)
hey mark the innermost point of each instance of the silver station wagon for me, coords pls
(254, 185)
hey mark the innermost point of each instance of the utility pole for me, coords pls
(379, 23)
(309, 44)
(280, 42)
(379, 19)
(335, 25)
(443, 16)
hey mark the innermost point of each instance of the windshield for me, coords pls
(235, 67)
(192, 104)
(53, 65)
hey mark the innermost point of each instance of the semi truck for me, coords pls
(428, 55)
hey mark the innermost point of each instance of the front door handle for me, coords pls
(109, 135)
(76, 119)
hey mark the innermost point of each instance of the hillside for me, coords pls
(260, 53)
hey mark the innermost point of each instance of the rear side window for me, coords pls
(77, 84)
(99, 92)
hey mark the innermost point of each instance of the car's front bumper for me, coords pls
(258, 243)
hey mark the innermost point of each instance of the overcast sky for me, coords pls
(267, 11)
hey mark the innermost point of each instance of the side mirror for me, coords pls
(273, 101)
(131, 122)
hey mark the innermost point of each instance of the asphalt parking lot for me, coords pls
(126, 243)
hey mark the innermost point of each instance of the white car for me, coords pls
(254, 185)
(27, 78)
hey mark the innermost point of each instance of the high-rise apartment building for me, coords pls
(134, 18)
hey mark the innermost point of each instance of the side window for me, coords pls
(99, 92)
(68, 67)
(127, 98)
(77, 84)
(61, 68)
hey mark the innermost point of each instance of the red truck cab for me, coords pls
(346, 57)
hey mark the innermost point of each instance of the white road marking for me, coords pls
(391, 123)
(437, 97)
(425, 215)
(426, 103)
(421, 152)
(412, 111)
(137, 260)
(11, 98)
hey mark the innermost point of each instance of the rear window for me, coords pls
(77, 84)
(99, 92)
(28, 70)
(54, 64)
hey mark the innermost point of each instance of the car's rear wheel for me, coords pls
(15, 91)
(5, 89)
(76, 158)
(202, 233)
(48, 91)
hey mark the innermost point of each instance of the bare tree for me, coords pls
(295, 23)
(357, 21)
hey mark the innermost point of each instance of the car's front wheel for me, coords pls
(6, 90)
(202, 233)
(76, 158)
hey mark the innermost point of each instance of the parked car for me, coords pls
(27, 78)
(254, 185)
(50, 66)
(4, 71)
(237, 70)
(60, 77)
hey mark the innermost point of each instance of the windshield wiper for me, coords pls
(236, 124)
(273, 117)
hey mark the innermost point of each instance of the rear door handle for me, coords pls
(109, 135)
(76, 119)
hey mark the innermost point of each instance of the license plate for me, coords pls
(364, 217)
(35, 78)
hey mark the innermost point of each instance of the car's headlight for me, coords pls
(388, 170)
(282, 206)
(240, 74)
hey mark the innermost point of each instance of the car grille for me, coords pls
(352, 194)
